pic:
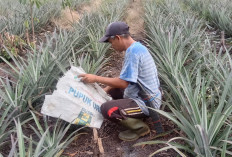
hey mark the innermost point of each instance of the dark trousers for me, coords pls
(119, 108)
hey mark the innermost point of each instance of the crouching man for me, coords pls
(138, 75)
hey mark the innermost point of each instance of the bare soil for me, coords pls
(84, 146)
(134, 18)
(91, 7)
(70, 16)
(66, 19)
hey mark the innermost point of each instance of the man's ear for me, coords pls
(117, 37)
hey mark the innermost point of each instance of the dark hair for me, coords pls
(123, 35)
(126, 35)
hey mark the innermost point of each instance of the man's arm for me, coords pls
(112, 82)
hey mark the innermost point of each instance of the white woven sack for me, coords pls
(76, 102)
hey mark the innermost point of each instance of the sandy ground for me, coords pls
(70, 16)
(94, 5)
(134, 19)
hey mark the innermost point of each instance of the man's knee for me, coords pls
(110, 110)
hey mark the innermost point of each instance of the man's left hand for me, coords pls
(88, 78)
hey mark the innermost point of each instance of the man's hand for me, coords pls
(88, 78)
(112, 82)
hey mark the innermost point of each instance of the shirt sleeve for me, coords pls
(130, 68)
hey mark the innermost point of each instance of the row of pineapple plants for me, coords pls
(217, 13)
(196, 79)
(15, 15)
(32, 78)
(20, 20)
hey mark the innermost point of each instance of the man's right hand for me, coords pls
(88, 78)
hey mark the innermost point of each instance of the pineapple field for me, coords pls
(189, 40)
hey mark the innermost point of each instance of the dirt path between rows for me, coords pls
(134, 18)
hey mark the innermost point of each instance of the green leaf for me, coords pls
(38, 3)
(22, 148)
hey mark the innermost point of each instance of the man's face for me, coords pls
(116, 43)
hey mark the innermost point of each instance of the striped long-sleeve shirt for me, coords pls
(139, 65)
